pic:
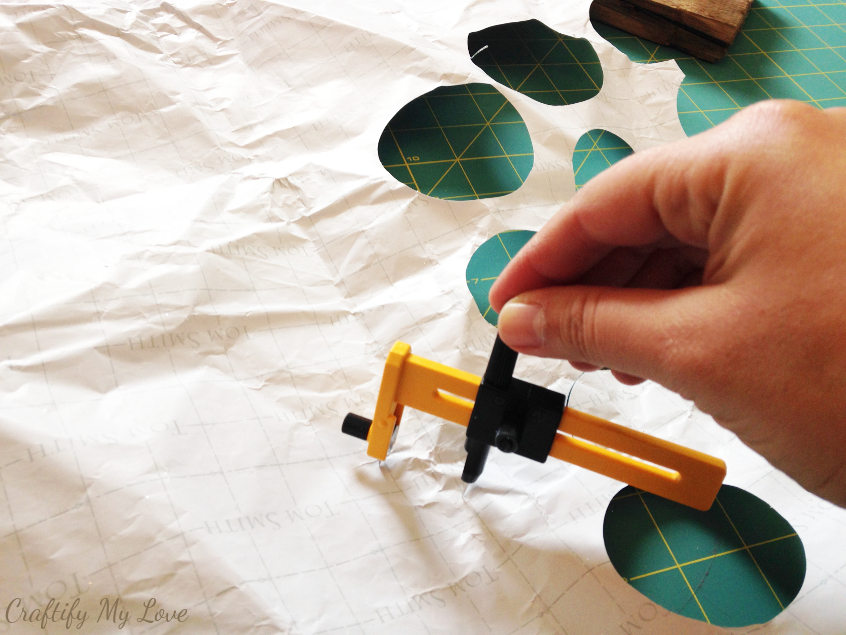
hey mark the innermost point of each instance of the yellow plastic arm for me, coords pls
(663, 468)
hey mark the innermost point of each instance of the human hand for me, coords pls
(715, 266)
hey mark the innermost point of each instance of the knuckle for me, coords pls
(779, 108)
(777, 117)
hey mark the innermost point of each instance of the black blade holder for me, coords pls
(510, 414)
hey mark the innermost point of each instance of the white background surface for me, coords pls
(203, 268)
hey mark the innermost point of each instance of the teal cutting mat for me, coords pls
(787, 49)
(467, 142)
(737, 564)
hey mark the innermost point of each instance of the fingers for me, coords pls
(636, 332)
(713, 266)
(670, 197)
(623, 378)
(663, 198)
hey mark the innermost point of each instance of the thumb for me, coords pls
(649, 333)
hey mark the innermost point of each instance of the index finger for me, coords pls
(643, 200)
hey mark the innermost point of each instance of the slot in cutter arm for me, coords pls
(532, 421)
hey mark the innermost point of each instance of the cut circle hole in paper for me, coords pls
(596, 150)
(737, 564)
(458, 142)
(537, 61)
(487, 262)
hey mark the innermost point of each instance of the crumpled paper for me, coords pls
(204, 266)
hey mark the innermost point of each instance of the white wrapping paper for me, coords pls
(203, 267)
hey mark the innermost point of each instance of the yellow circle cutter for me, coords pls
(532, 421)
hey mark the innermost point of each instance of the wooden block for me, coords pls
(703, 28)
(719, 19)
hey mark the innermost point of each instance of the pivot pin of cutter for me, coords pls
(516, 416)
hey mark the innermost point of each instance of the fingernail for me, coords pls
(521, 324)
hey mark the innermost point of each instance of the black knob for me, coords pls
(506, 439)
(356, 426)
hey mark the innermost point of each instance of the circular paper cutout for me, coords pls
(459, 143)
(550, 67)
(487, 262)
(596, 150)
(739, 563)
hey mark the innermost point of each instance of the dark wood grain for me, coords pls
(703, 28)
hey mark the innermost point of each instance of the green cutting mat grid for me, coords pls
(737, 564)
(458, 142)
(468, 142)
(787, 49)
(487, 262)
(596, 150)
(537, 61)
